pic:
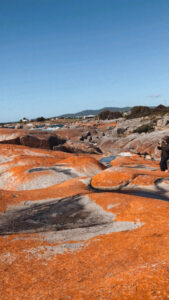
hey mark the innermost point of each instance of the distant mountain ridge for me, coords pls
(94, 112)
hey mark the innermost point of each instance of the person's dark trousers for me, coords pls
(163, 164)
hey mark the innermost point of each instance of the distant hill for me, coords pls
(94, 112)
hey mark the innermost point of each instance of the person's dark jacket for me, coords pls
(164, 147)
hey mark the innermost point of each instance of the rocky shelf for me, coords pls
(83, 214)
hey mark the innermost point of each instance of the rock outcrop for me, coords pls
(41, 141)
(34, 139)
(78, 147)
(163, 122)
(72, 228)
(100, 137)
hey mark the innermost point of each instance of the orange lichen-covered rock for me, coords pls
(30, 170)
(144, 180)
(131, 178)
(35, 139)
(108, 124)
(9, 134)
(68, 188)
(85, 165)
(102, 267)
(61, 239)
(135, 161)
(112, 179)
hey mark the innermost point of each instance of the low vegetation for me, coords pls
(136, 112)
(143, 111)
(144, 128)
(40, 119)
(109, 115)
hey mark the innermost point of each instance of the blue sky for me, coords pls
(63, 56)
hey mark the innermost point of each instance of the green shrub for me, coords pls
(144, 128)
(139, 111)
(40, 119)
(143, 111)
(108, 115)
(160, 110)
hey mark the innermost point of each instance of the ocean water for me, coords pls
(49, 128)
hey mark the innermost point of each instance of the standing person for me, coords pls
(164, 147)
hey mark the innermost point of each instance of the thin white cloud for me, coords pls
(154, 96)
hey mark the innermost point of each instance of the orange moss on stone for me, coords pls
(120, 265)
(23, 151)
(133, 160)
(16, 172)
(117, 178)
(69, 188)
(112, 179)
(110, 124)
(80, 162)
(123, 265)
(144, 180)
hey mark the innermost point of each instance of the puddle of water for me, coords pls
(108, 159)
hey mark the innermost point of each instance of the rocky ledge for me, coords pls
(95, 137)
(72, 227)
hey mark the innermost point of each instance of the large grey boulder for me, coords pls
(162, 122)
(78, 147)
(128, 126)
(146, 143)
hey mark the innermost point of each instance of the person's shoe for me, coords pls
(166, 171)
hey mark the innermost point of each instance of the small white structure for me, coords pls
(89, 117)
(24, 120)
